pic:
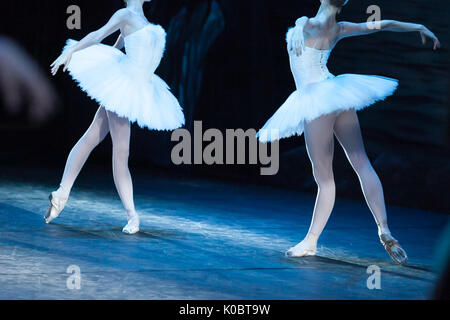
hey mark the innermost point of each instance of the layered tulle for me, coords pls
(121, 85)
(344, 92)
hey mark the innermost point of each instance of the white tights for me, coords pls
(319, 137)
(119, 128)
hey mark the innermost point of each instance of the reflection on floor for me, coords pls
(200, 240)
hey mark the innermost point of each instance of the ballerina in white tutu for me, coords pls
(324, 106)
(126, 89)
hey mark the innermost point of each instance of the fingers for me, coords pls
(54, 62)
(55, 66)
(297, 48)
(437, 44)
(66, 65)
(55, 69)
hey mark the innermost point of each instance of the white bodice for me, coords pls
(145, 48)
(310, 66)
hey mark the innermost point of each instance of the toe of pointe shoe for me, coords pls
(289, 253)
(48, 216)
(49, 219)
(394, 249)
(130, 230)
(292, 254)
(297, 254)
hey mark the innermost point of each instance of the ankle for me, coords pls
(383, 229)
(62, 192)
(132, 214)
(312, 238)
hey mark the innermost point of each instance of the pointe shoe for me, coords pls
(303, 249)
(132, 226)
(57, 205)
(393, 248)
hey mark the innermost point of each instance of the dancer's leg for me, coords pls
(81, 151)
(348, 133)
(320, 145)
(120, 135)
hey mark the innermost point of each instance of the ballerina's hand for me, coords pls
(426, 33)
(297, 43)
(63, 59)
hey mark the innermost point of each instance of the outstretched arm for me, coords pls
(349, 29)
(116, 21)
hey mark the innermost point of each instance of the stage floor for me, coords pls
(199, 240)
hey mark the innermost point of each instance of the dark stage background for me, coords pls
(227, 63)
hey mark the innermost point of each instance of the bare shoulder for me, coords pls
(122, 14)
(302, 20)
(313, 23)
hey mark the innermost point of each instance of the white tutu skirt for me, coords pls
(109, 77)
(335, 94)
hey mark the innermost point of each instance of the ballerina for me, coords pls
(324, 106)
(127, 91)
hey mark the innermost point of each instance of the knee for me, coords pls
(90, 140)
(121, 152)
(323, 175)
(359, 161)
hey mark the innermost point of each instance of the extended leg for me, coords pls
(95, 134)
(120, 134)
(348, 132)
(77, 157)
(320, 145)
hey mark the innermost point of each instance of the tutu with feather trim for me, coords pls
(319, 93)
(341, 93)
(126, 83)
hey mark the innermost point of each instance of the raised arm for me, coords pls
(349, 29)
(115, 23)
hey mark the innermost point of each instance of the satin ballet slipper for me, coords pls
(57, 205)
(393, 248)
